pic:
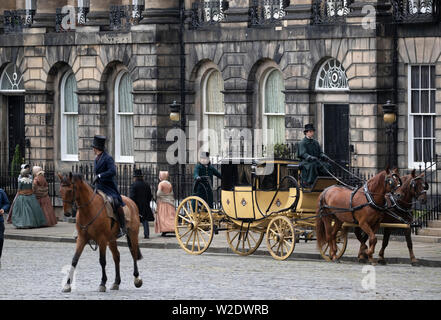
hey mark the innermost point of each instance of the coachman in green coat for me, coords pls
(310, 152)
(203, 175)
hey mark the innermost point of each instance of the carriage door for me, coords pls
(336, 133)
(16, 126)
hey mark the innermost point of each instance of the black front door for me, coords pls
(336, 133)
(16, 125)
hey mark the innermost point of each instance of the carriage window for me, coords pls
(267, 180)
(285, 171)
(235, 175)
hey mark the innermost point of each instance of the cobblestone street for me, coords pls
(35, 270)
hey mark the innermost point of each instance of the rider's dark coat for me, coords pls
(310, 169)
(106, 170)
(204, 187)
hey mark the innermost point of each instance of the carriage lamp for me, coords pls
(175, 112)
(390, 112)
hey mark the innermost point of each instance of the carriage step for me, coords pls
(434, 232)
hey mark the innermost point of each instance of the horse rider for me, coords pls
(310, 153)
(203, 174)
(105, 172)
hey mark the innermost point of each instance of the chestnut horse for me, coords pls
(93, 223)
(363, 205)
(400, 206)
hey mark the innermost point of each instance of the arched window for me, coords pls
(332, 77)
(273, 105)
(124, 149)
(11, 80)
(69, 118)
(213, 111)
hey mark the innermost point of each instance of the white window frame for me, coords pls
(118, 157)
(411, 163)
(206, 114)
(266, 114)
(63, 134)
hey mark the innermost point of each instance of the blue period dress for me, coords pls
(27, 211)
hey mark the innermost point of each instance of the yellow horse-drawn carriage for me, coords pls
(258, 197)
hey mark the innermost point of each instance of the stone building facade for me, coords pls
(232, 64)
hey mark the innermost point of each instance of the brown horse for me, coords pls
(93, 223)
(400, 203)
(363, 205)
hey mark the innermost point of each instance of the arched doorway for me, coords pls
(332, 97)
(12, 98)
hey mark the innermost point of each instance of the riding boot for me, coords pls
(122, 222)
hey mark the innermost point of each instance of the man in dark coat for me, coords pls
(105, 172)
(4, 207)
(310, 152)
(203, 174)
(141, 194)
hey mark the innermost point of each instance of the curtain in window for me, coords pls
(125, 114)
(71, 115)
(275, 104)
(215, 110)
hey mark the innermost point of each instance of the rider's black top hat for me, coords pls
(99, 142)
(137, 173)
(309, 127)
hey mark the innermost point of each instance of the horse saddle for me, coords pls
(110, 207)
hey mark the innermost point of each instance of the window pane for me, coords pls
(125, 103)
(432, 101)
(214, 94)
(415, 107)
(71, 134)
(425, 107)
(277, 124)
(432, 77)
(427, 151)
(417, 151)
(70, 97)
(415, 81)
(417, 126)
(274, 97)
(126, 126)
(427, 127)
(216, 123)
(425, 77)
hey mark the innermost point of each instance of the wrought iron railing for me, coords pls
(330, 11)
(123, 17)
(267, 12)
(206, 13)
(16, 20)
(416, 11)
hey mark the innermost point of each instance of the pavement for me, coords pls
(428, 254)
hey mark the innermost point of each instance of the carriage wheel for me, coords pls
(280, 237)
(194, 225)
(244, 241)
(342, 242)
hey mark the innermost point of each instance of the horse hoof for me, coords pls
(138, 282)
(415, 264)
(115, 287)
(362, 260)
(382, 262)
(67, 289)
(102, 289)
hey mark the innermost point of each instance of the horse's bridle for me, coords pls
(73, 203)
(391, 181)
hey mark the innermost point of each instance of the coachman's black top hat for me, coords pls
(309, 127)
(99, 142)
(137, 173)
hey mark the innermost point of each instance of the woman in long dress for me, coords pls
(165, 206)
(41, 191)
(27, 211)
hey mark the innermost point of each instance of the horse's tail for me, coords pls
(319, 223)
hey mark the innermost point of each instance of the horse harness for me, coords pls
(73, 204)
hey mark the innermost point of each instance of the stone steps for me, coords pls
(435, 232)
(435, 224)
